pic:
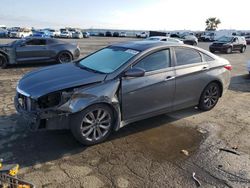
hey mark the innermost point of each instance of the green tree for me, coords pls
(212, 23)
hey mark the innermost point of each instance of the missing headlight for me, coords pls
(50, 100)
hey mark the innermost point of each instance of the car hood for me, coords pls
(54, 78)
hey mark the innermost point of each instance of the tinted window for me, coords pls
(36, 42)
(185, 56)
(155, 61)
(207, 57)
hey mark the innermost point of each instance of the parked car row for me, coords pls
(17, 32)
(110, 34)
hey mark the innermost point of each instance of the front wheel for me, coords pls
(65, 57)
(209, 97)
(243, 49)
(93, 125)
(3, 62)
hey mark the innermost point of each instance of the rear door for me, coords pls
(153, 92)
(191, 76)
(236, 44)
(32, 50)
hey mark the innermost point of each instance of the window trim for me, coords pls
(203, 58)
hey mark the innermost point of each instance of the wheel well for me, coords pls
(63, 52)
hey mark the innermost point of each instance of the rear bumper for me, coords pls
(76, 54)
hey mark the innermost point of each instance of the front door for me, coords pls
(32, 50)
(153, 92)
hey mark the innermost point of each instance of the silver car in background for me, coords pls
(121, 84)
(165, 39)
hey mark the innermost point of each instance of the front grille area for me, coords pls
(217, 44)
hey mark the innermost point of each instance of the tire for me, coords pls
(209, 97)
(3, 62)
(212, 51)
(229, 50)
(90, 119)
(243, 49)
(64, 57)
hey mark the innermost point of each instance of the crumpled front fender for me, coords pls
(105, 92)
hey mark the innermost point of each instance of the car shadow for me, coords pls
(29, 148)
(240, 83)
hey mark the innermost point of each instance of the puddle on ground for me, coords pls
(164, 140)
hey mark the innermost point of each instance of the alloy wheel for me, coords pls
(65, 58)
(211, 96)
(96, 124)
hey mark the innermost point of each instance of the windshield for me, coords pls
(108, 59)
(225, 39)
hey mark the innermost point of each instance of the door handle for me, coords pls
(169, 78)
(205, 68)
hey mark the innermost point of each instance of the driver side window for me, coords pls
(36, 42)
(156, 61)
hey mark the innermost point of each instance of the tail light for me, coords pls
(228, 67)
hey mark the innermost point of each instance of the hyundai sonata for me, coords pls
(120, 84)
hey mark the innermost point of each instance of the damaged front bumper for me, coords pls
(41, 118)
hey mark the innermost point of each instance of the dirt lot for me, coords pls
(143, 154)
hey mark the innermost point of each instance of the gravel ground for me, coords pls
(144, 154)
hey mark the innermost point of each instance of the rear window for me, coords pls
(186, 56)
(207, 57)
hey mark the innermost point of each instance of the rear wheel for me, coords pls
(3, 61)
(209, 97)
(243, 49)
(229, 50)
(65, 57)
(93, 125)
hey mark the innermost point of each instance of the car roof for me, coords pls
(143, 45)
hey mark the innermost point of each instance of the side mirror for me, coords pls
(135, 72)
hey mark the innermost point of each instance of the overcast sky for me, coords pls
(124, 14)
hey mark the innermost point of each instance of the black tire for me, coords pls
(78, 123)
(209, 97)
(229, 50)
(3, 62)
(212, 51)
(243, 49)
(64, 57)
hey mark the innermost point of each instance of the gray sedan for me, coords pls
(37, 49)
(121, 84)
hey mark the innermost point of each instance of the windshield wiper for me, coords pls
(89, 69)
